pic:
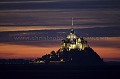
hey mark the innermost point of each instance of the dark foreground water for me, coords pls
(59, 72)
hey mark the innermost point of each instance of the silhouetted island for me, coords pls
(74, 50)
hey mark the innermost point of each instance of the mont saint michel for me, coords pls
(73, 50)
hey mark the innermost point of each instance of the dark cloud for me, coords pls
(108, 42)
(60, 5)
(61, 17)
(40, 43)
(58, 34)
(59, 12)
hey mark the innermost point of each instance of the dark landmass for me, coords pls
(15, 61)
(39, 71)
(22, 69)
(74, 56)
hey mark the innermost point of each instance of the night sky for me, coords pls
(98, 21)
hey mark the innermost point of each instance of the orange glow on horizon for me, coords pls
(23, 51)
(106, 52)
(9, 51)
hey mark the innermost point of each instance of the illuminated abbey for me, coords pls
(73, 50)
(73, 42)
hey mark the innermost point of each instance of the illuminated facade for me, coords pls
(73, 42)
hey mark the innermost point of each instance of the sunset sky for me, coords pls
(98, 21)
